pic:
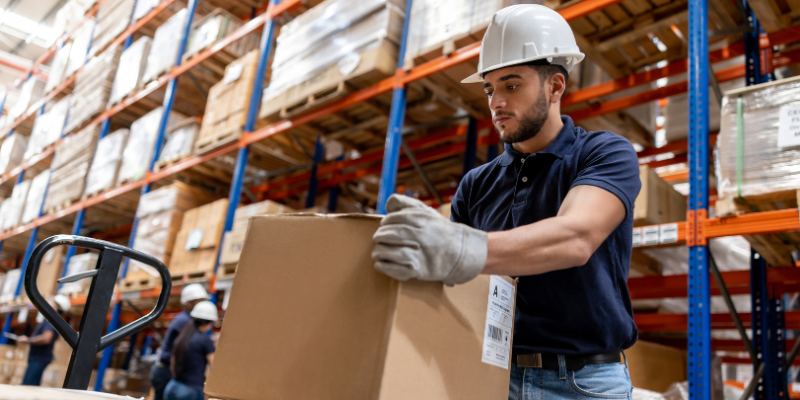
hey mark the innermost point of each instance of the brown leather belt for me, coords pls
(574, 363)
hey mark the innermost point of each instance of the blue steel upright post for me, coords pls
(699, 318)
(169, 99)
(235, 194)
(313, 182)
(394, 134)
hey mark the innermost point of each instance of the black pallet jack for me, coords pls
(89, 339)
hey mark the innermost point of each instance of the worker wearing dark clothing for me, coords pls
(191, 354)
(160, 375)
(41, 343)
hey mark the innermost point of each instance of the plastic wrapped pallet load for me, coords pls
(77, 264)
(228, 101)
(131, 68)
(105, 166)
(17, 203)
(179, 142)
(138, 152)
(10, 285)
(35, 199)
(11, 152)
(113, 18)
(316, 53)
(47, 128)
(164, 49)
(160, 215)
(215, 26)
(197, 243)
(31, 92)
(763, 156)
(70, 166)
(59, 67)
(93, 88)
(82, 38)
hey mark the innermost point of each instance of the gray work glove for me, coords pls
(415, 241)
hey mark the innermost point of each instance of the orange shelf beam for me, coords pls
(678, 322)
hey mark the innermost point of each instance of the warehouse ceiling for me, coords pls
(25, 33)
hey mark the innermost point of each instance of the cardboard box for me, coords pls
(232, 246)
(244, 213)
(54, 376)
(49, 273)
(197, 243)
(658, 202)
(446, 209)
(654, 367)
(309, 303)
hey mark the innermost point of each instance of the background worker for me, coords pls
(192, 353)
(557, 206)
(160, 375)
(41, 343)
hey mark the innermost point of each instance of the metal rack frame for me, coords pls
(695, 232)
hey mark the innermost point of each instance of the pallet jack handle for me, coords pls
(88, 340)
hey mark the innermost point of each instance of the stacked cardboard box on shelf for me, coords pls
(138, 152)
(93, 87)
(77, 264)
(197, 243)
(31, 92)
(131, 69)
(160, 215)
(405, 340)
(105, 166)
(317, 57)
(13, 363)
(179, 142)
(658, 202)
(215, 26)
(35, 198)
(47, 128)
(56, 372)
(13, 212)
(113, 18)
(82, 38)
(234, 239)
(228, 101)
(49, 272)
(12, 151)
(58, 68)
(70, 166)
(164, 50)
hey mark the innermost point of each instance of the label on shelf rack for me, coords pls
(499, 317)
(650, 235)
(668, 233)
(637, 237)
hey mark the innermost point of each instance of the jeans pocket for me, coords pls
(601, 384)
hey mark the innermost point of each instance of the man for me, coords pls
(160, 375)
(41, 343)
(557, 206)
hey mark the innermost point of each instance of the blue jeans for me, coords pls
(597, 381)
(159, 378)
(180, 391)
(33, 375)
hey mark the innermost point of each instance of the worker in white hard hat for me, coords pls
(42, 342)
(160, 374)
(555, 210)
(191, 355)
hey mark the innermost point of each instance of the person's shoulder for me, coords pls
(605, 141)
(482, 170)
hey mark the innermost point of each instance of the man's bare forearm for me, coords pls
(548, 245)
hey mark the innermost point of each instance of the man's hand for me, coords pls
(414, 241)
(23, 339)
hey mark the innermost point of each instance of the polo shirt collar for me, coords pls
(558, 147)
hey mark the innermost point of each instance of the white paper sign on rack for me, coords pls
(668, 233)
(637, 237)
(650, 235)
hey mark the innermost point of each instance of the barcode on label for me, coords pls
(494, 333)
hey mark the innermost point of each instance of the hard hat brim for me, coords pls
(478, 76)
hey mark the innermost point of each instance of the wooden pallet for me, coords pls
(776, 248)
(226, 271)
(185, 278)
(219, 139)
(445, 47)
(142, 283)
(60, 206)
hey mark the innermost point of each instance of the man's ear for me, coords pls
(558, 86)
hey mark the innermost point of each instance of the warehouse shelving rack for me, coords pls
(694, 232)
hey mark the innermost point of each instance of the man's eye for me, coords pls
(489, 94)
(512, 87)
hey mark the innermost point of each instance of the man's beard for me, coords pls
(530, 123)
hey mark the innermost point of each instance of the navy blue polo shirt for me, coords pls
(580, 310)
(43, 352)
(196, 360)
(174, 329)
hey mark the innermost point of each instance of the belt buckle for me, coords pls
(533, 360)
(537, 360)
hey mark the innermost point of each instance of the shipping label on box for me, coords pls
(499, 323)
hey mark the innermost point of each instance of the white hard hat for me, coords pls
(523, 33)
(205, 310)
(63, 302)
(192, 292)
